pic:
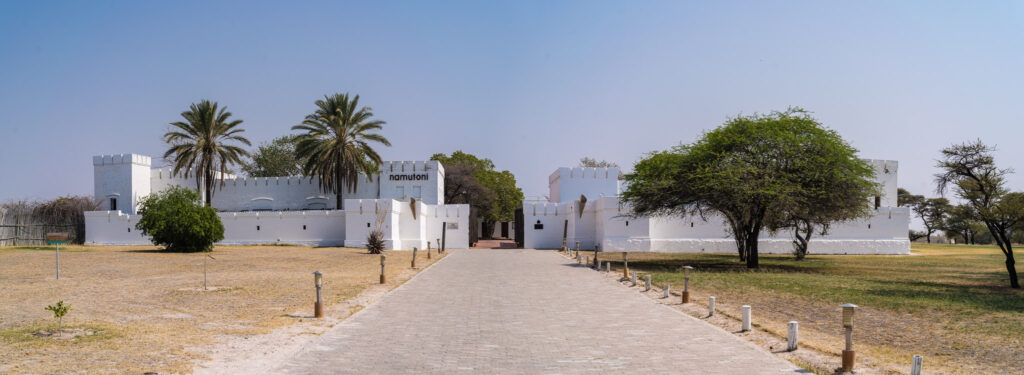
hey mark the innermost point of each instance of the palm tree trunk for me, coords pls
(337, 185)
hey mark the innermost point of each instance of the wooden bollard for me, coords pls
(428, 250)
(916, 364)
(711, 306)
(414, 257)
(746, 318)
(625, 266)
(647, 282)
(439, 249)
(793, 335)
(596, 263)
(666, 291)
(577, 249)
(382, 278)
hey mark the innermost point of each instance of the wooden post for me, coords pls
(793, 337)
(746, 318)
(848, 353)
(711, 306)
(596, 263)
(318, 307)
(577, 249)
(383, 279)
(916, 364)
(625, 265)
(414, 257)
(428, 250)
(647, 282)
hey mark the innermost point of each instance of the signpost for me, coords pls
(57, 238)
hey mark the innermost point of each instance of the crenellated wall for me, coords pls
(566, 184)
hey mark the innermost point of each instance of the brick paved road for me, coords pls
(524, 312)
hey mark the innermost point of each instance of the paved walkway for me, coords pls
(525, 312)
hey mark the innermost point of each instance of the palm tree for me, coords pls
(199, 144)
(335, 146)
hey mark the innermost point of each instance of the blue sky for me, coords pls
(531, 85)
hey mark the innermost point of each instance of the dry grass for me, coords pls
(951, 304)
(147, 308)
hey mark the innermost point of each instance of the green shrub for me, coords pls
(176, 219)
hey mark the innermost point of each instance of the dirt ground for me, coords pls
(146, 310)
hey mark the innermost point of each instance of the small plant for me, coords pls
(375, 241)
(59, 310)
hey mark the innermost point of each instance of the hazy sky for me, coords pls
(530, 85)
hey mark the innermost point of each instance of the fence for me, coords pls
(21, 225)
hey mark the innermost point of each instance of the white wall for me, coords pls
(313, 228)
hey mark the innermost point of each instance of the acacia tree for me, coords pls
(970, 171)
(753, 171)
(336, 144)
(835, 187)
(961, 223)
(932, 212)
(200, 145)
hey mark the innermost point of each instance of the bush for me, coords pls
(177, 220)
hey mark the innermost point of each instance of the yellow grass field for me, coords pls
(139, 309)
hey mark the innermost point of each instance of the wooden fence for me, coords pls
(21, 227)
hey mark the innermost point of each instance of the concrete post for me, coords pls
(666, 291)
(632, 277)
(647, 283)
(746, 318)
(793, 337)
(588, 260)
(711, 306)
(608, 267)
(916, 364)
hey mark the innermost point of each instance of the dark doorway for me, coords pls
(504, 229)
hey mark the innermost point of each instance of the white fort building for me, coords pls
(409, 197)
(603, 220)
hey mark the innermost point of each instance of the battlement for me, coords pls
(584, 173)
(115, 159)
(410, 166)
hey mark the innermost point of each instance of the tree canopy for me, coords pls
(175, 218)
(472, 180)
(336, 143)
(201, 145)
(757, 172)
(274, 159)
